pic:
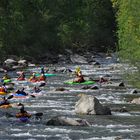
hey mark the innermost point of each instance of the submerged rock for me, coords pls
(64, 121)
(89, 105)
(60, 89)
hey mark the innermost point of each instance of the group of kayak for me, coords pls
(4, 103)
(35, 77)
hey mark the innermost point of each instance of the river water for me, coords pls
(124, 126)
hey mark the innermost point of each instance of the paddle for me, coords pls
(10, 97)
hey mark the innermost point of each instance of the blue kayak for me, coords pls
(19, 95)
(24, 119)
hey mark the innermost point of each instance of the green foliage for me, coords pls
(129, 29)
(128, 18)
(33, 27)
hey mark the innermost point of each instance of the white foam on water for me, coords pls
(21, 134)
(106, 138)
(15, 129)
(64, 111)
(61, 130)
(120, 126)
(125, 131)
(114, 126)
(121, 114)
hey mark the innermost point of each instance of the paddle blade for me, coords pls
(10, 97)
(33, 96)
(39, 114)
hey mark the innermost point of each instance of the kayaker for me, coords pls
(42, 77)
(79, 77)
(3, 88)
(102, 80)
(21, 76)
(21, 92)
(33, 78)
(22, 112)
(36, 89)
(6, 76)
(42, 70)
(4, 101)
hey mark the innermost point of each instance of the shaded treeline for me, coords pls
(128, 19)
(33, 27)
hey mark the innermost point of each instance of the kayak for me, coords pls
(19, 95)
(3, 93)
(21, 79)
(7, 81)
(6, 106)
(83, 83)
(24, 119)
(46, 74)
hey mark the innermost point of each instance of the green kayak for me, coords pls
(47, 74)
(7, 80)
(83, 83)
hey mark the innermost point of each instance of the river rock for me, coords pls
(60, 89)
(64, 121)
(10, 62)
(10, 86)
(121, 84)
(78, 59)
(134, 91)
(22, 63)
(136, 101)
(89, 105)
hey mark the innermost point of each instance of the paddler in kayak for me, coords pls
(21, 92)
(36, 89)
(4, 101)
(79, 77)
(33, 78)
(22, 112)
(21, 76)
(5, 77)
(42, 70)
(3, 89)
(42, 77)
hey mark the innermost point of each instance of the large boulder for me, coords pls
(78, 59)
(10, 62)
(64, 121)
(22, 63)
(136, 101)
(89, 105)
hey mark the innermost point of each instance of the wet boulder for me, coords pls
(10, 86)
(10, 62)
(78, 59)
(90, 105)
(121, 84)
(134, 91)
(22, 63)
(136, 101)
(60, 89)
(64, 121)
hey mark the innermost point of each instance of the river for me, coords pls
(124, 126)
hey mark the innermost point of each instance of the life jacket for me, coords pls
(33, 79)
(42, 78)
(2, 89)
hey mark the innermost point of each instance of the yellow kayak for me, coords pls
(3, 93)
(6, 106)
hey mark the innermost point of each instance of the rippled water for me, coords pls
(61, 103)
